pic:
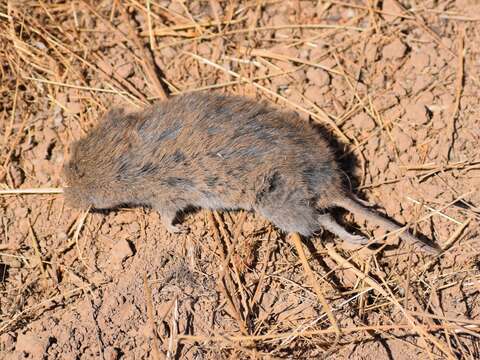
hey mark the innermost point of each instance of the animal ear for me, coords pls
(119, 122)
(115, 114)
(115, 118)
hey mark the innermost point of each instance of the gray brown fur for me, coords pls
(215, 152)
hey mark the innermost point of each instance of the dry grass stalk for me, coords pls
(31, 191)
(147, 61)
(151, 319)
(297, 242)
(172, 341)
(385, 291)
(226, 281)
(76, 235)
(458, 92)
(329, 331)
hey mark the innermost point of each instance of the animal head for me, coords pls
(93, 173)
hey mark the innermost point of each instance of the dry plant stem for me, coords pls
(273, 55)
(12, 118)
(456, 235)
(16, 140)
(36, 247)
(42, 304)
(236, 236)
(174, 30)
(258, 290)
(465, 165)
(387, 293)
(78, 87)
(444, 318)
(109, 24)
(150, 28)
(422, 24)
(454, 110)
(369, 8)
(173, 340)
(55, 42)
(297, 242)
(406, 283)
(148, 63)
(227, 279)
(344, 263)
(31, 191)
(161, 32)
(151, 318)
(80, 222)
(448, 244)
(171, 15)
(216, 8)
(238, 82)
(230, 249)
(435, 211)
(423, 218)
(347, 330)
(98, 335)
(459, 18)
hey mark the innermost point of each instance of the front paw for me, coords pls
(177, 229)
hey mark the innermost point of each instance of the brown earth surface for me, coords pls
(396, 83)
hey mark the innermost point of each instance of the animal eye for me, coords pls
(76, 170)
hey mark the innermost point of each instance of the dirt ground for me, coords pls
(397, 85)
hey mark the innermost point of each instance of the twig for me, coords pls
(448, 244)
(36, 248)
(312, 333)
(148, 62)
(151, 318)
(385, 291)
(434, 210)
(226, 277)
(80, 222)
(78, 87)
(459, 18)
(160, 32)
(297, 242)
(454, 109)
(31, 191)
(172, 342)
(43, 303)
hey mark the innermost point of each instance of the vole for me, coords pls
(216, 152)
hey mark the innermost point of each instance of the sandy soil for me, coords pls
(396, 83)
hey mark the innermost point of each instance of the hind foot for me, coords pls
(177, 229)
(355, 239)
(328, 223)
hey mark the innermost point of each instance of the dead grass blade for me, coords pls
(385, 291)
(454, 109)
(31, 191)
(147, 61)
(297, 242)
(151, 318)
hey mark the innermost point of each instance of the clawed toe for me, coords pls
(357, 240)
(177, 229)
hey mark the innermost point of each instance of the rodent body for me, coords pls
(215, 152)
